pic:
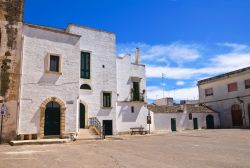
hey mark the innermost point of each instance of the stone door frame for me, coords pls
(42, 116)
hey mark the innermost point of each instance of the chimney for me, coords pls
(137, 56)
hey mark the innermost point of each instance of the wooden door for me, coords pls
(82, 116)
(210, 122)
(195, 122)
(173, 124)
(52, 119)
(236, 116)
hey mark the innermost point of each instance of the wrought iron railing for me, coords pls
(94, 122)
(137, 97)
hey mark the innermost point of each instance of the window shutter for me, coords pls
(232, 87)
(85, 65)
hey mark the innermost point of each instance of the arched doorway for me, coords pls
(210, 121)
(43, 108)
(236, 115)
(82, 116)
(52, 119)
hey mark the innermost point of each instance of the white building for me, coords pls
(72, 78)
(131, 102)
(229, 95)
(183, 117)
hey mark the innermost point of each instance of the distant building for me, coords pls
(168, 101)
(183, 117)
(229, 95)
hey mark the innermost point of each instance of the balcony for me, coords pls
(137, 97)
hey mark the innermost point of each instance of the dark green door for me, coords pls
(210, 122)
(82, 116)
(108, 128)
(52, 119)
(195, 122)
(173, 124)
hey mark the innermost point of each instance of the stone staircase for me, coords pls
(88, 134)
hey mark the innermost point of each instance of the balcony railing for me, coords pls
(137, 97)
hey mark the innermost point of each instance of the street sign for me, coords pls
(148, 119)
(3, 110)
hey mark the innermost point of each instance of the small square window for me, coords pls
(247, 84)
(209, 92)
(232, 87)
(106, 99)
(54, 63)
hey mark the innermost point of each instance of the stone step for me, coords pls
(87, 134)
(39, 142)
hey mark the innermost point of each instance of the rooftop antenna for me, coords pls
(162, 82)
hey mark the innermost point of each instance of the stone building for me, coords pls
(11, 17)
(229, 95)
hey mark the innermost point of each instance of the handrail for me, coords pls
(94, 122)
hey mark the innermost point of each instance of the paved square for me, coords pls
(204, 148)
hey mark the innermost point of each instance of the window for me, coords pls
(136, 91)
(54, 63)
(247, 84)
(85, 65)
(132, 109)
(106, 99)
(209, 92)
(232, 87)
(190, 116)
(85, 87)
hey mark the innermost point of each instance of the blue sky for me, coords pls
(187, 40)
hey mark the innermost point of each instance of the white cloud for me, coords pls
(238, 57)
(233, 60)
(234, 46)
(217, 65)
(175, 52)
(190, 93)
(180, 83)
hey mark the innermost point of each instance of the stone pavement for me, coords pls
(187, 149)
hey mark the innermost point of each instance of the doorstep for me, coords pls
(39, 142)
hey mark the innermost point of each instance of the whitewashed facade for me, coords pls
(76, 73)
(131, 112)
(169, 118)
(229, 95)
(38, 84)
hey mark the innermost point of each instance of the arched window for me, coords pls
(85, 87)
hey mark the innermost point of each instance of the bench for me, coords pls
(139, 130)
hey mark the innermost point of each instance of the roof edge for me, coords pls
(90, 28)
(228, 74)
(52, 29)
